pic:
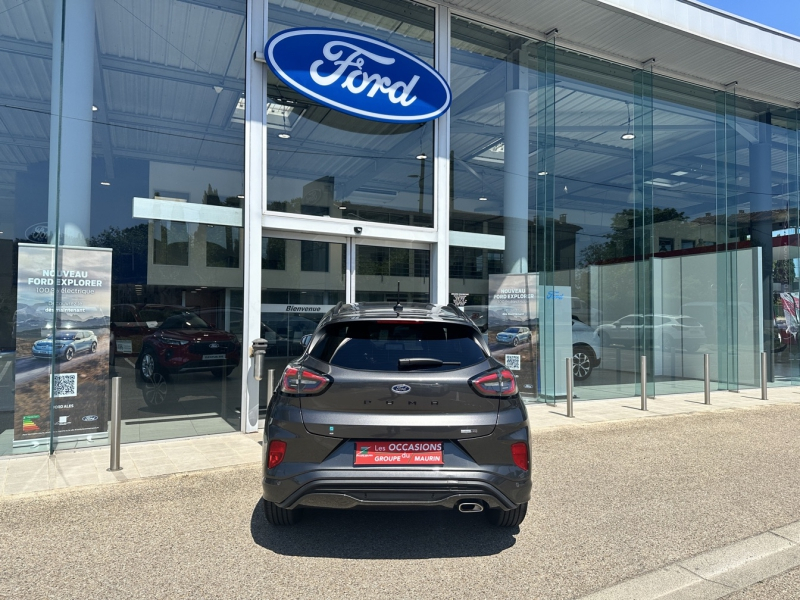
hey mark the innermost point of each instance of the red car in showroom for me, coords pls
(185, 343)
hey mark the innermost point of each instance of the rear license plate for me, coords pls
(214, 357)
(398, 453)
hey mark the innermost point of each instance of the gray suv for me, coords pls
(396, 407)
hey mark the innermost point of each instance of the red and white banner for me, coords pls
(399, 453)
(791, 310)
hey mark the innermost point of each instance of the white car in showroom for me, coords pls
(586, 350)
(669, 332)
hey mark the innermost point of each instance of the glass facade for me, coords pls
(121, 168)
(574, 206)
(658, 220)
(325, 163)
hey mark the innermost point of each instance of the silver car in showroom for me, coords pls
(67, 344)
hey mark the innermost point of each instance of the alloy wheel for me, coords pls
(581, 365)
(148, 366)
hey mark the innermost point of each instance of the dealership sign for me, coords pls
(358, 75)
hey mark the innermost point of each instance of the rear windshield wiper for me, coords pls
(423, 363)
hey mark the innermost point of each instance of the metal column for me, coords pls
(570, 383)
(116, 424)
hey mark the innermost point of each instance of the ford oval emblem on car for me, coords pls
(401, 388)
(358, 74)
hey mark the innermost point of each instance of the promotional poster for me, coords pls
(75, 296)
(513, 326)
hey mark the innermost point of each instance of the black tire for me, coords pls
(507, 518)
(69, 353)
(583, 361)
(281, 516)
(515, 342)
(93, 349)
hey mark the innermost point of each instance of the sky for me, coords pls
(780, 14)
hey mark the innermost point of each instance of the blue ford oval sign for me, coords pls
(401, 388)
(358, 75)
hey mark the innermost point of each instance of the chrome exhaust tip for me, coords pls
(470, 507)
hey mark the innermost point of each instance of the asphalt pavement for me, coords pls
(612, 501)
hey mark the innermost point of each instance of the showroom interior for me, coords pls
(606, 183)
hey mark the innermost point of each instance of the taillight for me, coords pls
(495, 384)
(303, 381)
(275, 453)
(519, 452)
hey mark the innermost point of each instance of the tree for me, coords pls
(129, 257)
(621, 241)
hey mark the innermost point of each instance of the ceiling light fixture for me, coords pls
(483, 198)
(542, 173)
(105, 183)
(628, 135)
(284, 136)
(94, 108)
(240, 196)
(422, 156)
(342, 207)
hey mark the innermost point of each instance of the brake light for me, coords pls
(519, 452)
(396, 321)
(275, 454)
(498, 383)
(303, 381)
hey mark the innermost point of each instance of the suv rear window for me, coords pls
(380, 345)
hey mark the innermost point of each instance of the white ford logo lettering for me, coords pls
(358, 75)
(401, 388)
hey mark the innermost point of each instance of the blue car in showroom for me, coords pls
(67, 344)
(514, 336)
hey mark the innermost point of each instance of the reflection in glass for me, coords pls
(324, 163)
(381, 270)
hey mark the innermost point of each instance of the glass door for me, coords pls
(303, 276)
(388, 273)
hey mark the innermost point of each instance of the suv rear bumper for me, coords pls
(399, 489)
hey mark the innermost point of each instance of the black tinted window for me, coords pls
(379, 346)
(185, 320)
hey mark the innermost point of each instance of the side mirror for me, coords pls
(306, 339)
(617, 325)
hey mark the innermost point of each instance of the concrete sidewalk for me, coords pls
(71, 468)
(546, 416)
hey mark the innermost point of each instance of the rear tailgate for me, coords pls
(401, 406)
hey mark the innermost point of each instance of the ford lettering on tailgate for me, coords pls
(358, 75)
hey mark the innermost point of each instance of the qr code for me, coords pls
(66, 385)
(513, 362)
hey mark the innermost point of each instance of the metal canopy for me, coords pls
(689, 40)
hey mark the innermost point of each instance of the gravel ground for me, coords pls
(611, 501)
